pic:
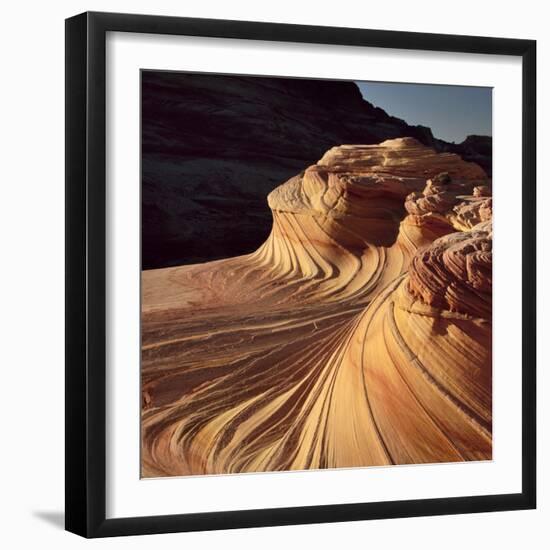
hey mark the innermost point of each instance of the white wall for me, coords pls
(31, 272)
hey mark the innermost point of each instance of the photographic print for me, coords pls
(316, 286)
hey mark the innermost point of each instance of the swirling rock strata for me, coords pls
(358, 334)
(213, 145)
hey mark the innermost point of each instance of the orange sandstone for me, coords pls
(358, 334)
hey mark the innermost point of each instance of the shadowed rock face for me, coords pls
(331, 345)
(478, 149)
(214, 146)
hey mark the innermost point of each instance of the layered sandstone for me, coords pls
(216, 145)
(358, 334)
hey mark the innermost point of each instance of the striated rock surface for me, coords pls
(215, 145)
(358, 334)
(455, 272)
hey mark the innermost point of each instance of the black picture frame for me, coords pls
(86, 284)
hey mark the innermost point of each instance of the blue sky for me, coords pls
(452, 112)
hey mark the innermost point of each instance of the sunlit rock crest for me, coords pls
(358, 334)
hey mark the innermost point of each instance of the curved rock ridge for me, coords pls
(358, 334)
(216, 144)
(349, 208)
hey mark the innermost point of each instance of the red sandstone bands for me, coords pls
(358, 334)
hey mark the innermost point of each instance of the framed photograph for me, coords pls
(300, 274)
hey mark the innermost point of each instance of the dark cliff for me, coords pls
(214, 146)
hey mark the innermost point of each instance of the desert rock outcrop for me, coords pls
(214, 145)
(358, 334)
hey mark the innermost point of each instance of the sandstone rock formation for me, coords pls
(215, 145)
(358, 334)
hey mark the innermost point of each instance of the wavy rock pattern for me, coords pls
(358, 334)
(215, 144)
